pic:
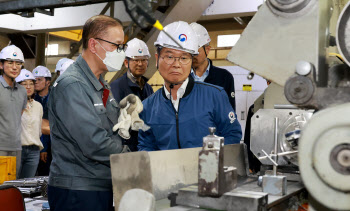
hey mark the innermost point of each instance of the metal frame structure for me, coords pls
(27, 8)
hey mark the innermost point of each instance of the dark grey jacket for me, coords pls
(81, 130)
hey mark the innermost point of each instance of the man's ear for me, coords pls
(92, 45)
(2, 65)
(207, 49)
(126, 63)
(156, 55)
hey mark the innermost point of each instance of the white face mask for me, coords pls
(114, 60)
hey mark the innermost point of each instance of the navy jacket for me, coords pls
(45, 139)
(202, 106)
(223, 78)
(121, 88)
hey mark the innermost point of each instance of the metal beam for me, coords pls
(76, 48)
(40, 49)
(20, 6)
(189, 11)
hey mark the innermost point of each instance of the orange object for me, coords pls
(11, 199)
(7, 168)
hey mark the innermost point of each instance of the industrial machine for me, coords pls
(293, 41)
(307, 136)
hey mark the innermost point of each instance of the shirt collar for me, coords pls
(4, 83)
(92, 78)
(205, 74)
(130, 76)
(180, 91)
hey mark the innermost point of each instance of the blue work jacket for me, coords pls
(202, 106)
(45, 139)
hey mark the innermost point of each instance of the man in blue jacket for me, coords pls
(204, 70)
(180, 113)
(133, 82)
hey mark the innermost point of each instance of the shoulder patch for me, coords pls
(232, 117)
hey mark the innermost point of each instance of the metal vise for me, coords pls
(214, 179)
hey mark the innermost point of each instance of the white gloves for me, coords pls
(130, 107)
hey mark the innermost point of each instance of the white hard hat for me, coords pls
(60, 63)
(12, 53)
(137, 47)
(41, 71)
(66, 65)
(202, 34)
(183, 33)
(25, 75)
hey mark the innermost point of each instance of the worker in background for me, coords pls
(13, 101)
(82, 113)
(180, 113)
(65, 65)
(59, 68)
(59, 64)
(42, 89)
(204, 70)
(133, 82)
(31, 128)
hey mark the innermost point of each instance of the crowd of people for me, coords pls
(67, 130)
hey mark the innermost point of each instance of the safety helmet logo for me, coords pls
(14, 54)
(36, 72)
(140, 50)
(182, 37)
(27, 75)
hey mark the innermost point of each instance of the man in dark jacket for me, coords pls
(42, 88)
(204, 70)
(133, 82)
(82, 113)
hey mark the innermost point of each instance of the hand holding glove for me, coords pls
(130, 107)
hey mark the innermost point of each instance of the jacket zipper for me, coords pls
(177, 123)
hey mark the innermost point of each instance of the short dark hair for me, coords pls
(96, 26)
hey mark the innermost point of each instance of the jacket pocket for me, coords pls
(99, 108)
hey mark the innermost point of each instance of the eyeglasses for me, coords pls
(171, 59)
(27, 85)
(143, 61)
(17, 64)
(120, 47)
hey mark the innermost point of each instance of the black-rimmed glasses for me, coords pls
(120, 47)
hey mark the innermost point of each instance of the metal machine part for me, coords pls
(288, 6)
(274, 185)
(303, 68)
(299, 90)
(324, 155)
(302, 35)
(290, 121)
(213, 178)
(343, 33)
(247, 196)
(237, 200)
